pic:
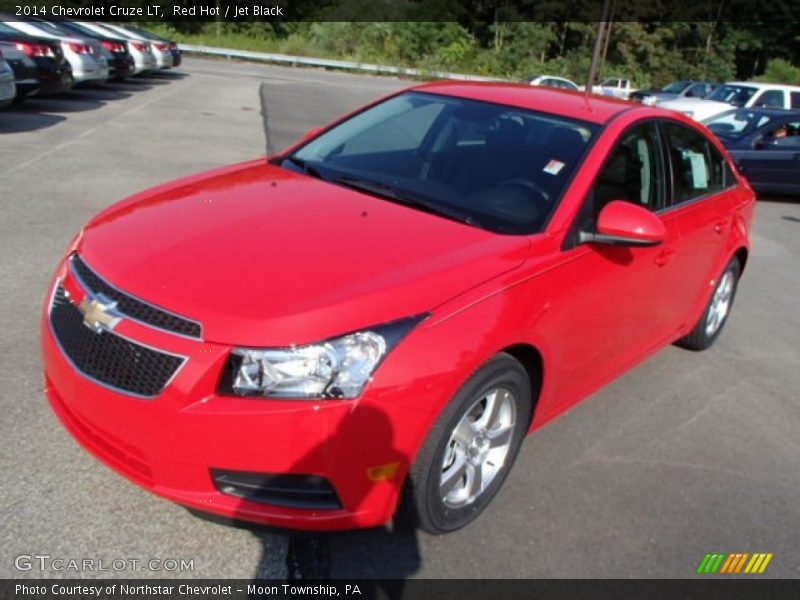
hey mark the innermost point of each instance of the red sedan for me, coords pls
(379, 315)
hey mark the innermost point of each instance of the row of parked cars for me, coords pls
(40, 57)
(758, 123)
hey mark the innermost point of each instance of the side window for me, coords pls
(785, 135)
(698, 168)
(770, 98)
(795, 100)
(633, 172)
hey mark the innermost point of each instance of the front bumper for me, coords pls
(170, 444)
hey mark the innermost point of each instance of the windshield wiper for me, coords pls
(392, 192)
(307, 168)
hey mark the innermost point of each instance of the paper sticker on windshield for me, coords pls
(553, 167)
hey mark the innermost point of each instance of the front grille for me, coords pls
(133, 307)
(108, 358)
(290, 490)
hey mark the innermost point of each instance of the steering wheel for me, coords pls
(528, 186)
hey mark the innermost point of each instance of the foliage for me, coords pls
(502, 44)
(781, 71)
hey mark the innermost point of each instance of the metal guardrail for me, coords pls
(327, 63)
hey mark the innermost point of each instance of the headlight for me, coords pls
(336, 368)
(688, 113)
(649, 100)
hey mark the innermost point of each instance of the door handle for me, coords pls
(663, 257)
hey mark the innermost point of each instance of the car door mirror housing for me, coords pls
(624, 224)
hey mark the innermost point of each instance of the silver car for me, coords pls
(161, 50)
(84, 55)
(142, 51)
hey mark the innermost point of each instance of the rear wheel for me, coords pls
(715, 315)
(470, 449)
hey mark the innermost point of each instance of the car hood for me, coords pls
(695, 105)
(263, 256)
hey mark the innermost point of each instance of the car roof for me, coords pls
(577, 105)
(765, 86)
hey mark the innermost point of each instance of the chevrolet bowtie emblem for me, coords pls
(99, 313)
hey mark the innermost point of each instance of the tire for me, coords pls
(706, 331)
(492, 449)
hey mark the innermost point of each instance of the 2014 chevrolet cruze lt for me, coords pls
(379, 315)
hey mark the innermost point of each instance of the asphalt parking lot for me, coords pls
(687, 454)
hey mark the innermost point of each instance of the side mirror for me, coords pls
(624, 224)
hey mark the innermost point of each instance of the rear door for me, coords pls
(700, 204)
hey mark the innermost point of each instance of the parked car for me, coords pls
(8, 88)
(160, 43)
(765, 143)
(687, 88)
(747, 94)
(614, 86)
(142, 52)
(84, 55)
(552, 81)
(114, 48)
(26, 77)
(52, 73)
(160, 49)
(382, 312)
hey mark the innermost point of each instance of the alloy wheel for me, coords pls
(478, 448)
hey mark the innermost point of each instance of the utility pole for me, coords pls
(600, 44)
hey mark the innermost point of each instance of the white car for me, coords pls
(142, 52)
(84, 55)
(614, 86)
(8, 88)
(163, 54)
(736, 94)
(552, 81)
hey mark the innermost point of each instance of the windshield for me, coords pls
(497, 167)
(676, 87)
(735, 124)
(738, 95)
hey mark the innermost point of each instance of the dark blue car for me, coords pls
(765, 144)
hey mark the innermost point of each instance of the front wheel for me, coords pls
(717, 310)
(470, 449)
